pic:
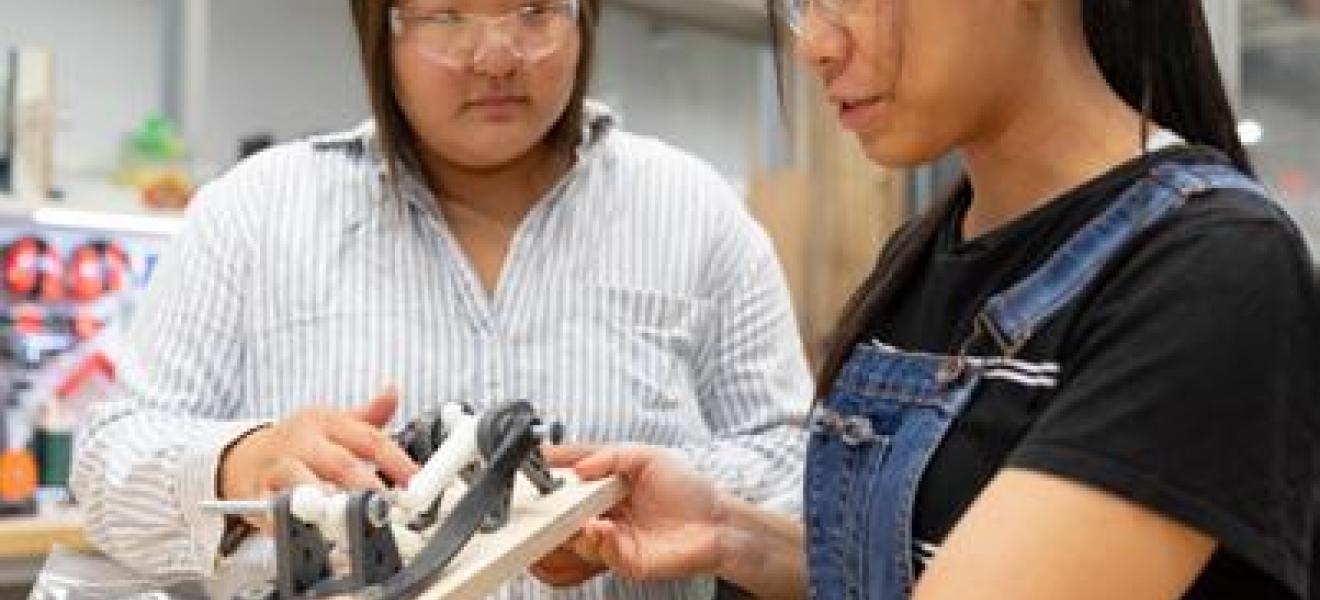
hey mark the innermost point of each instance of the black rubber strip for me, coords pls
(462, 523)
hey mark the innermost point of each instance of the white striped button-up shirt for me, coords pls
(639, 303)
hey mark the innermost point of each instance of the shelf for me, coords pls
(25, 543)
(27, 537)
(93, 206)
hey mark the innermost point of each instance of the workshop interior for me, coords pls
(114, 113)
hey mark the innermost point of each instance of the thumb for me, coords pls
(628, 462)
(380, 409)
(567, 455)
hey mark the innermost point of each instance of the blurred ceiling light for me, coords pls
(1250, 132)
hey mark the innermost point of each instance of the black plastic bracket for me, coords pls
(372, 552)
(302, 554)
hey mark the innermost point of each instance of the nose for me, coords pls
(823, 46)
(496, 53)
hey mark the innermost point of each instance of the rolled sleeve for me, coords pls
(754, 384)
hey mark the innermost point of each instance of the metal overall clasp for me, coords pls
(853, 430)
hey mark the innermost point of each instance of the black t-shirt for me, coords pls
(1190, 378)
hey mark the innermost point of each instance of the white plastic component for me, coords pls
(334, 525)
(328, 512)
(409, 542)
(458, 451)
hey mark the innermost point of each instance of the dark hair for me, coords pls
(1156, 54)
(396, 138)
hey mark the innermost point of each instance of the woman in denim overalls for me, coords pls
(1041, 96)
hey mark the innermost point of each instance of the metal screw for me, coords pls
(549, 432)
(237, 507)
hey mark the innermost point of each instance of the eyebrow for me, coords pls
(492, 6)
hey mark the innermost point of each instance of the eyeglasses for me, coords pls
(452, 37)
(799, 14)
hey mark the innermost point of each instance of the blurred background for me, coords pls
(1279, 54)
(112, 111)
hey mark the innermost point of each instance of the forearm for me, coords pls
(140, 475)
(761, 551)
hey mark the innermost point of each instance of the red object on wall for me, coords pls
(87, 323)
(96, 365)
(29, 319)
(33, 269)
(98, 268)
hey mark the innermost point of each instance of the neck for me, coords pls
(1069, 127)
(494, 196)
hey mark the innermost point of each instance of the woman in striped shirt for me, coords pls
(489, 235)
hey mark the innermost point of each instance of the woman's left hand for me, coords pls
(666, 527)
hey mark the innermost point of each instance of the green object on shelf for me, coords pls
(54, 452)
(153, 152)
(158, 139)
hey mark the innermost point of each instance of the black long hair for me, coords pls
(1156, 54)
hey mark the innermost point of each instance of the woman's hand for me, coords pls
(668, 526)
(674, 523)
(342, 448)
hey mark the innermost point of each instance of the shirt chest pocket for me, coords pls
(652, 338)
(335, 341)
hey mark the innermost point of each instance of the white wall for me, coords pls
(288, 67)
(1225, 18)
(695, 87)
(108, 68)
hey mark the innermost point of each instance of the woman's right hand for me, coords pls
(342, 448)
(668, 526)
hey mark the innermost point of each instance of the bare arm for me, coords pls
(763, 552)
(1031, 536)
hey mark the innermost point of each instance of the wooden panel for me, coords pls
(780, 201)
(828, 214)
(34, 124)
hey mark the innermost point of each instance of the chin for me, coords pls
(489, 152)
(899, 152)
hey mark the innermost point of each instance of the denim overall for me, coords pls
(889, 410)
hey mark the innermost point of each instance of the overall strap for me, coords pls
(1013, 316)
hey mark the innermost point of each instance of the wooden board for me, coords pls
(536, 526)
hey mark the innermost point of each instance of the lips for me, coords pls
(857, 113)
(498, 101)
(858, 103)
